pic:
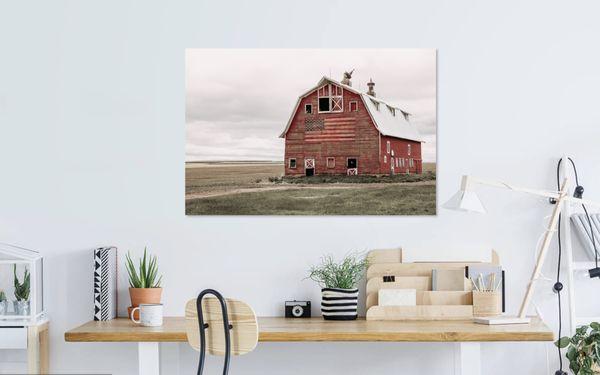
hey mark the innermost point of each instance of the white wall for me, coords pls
(92, 153)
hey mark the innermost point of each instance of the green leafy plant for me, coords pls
(343, 275)
(2, 296)
(583, 349)
(22, 289)
(146, 275)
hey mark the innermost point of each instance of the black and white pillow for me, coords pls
(339, 304)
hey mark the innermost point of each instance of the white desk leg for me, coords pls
(169, 358)
(467, 358)
(148, 358)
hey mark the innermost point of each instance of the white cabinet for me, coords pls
(13, 337)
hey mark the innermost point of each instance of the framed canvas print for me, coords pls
(310, 132)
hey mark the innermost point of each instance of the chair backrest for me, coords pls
(244, 334)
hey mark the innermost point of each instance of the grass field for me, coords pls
(258, 189)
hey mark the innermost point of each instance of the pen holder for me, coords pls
(487, 303)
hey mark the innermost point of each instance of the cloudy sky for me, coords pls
(238, 101)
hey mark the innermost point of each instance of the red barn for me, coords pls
(335, 129)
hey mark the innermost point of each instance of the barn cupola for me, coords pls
(371, 84)
(346, 80)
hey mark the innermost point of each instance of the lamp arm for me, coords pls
(470, 180)
(544, 250)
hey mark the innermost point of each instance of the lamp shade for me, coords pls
(465, 200)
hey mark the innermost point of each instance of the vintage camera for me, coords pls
(297, 309)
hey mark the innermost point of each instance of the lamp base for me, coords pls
(499, 320)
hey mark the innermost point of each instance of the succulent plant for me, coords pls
(146, 275)
(22, 289)
(2, 296)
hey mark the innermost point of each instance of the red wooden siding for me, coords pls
(338, 136)
(399, 147)
(338, 129)
(344, 135)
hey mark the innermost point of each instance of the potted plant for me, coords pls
(21, 305)
(583, 349)
(3, 303)
(338, 283)
(144, 282)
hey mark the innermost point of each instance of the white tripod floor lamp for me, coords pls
(466, 199)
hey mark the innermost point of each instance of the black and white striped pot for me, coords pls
(339, 304)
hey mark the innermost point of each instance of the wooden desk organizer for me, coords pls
(387, 271)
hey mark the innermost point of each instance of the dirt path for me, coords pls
(303, 186)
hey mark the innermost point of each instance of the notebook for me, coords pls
(397, 297)
(448, 280)
(105, 283)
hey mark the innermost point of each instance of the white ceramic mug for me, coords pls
(151, 314)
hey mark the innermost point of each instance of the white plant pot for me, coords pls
(3, 307)
(339, 304)
(21, 308)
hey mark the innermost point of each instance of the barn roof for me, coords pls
(389, 119)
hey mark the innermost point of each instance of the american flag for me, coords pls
(332, 129)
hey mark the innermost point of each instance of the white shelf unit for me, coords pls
(22, 259)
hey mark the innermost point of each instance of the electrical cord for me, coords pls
(558, 286)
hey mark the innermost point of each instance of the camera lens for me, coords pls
(297, 311)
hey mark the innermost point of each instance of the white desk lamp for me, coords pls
(466, 199)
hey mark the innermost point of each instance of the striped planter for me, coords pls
(339, 304)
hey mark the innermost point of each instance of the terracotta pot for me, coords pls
(142, 295)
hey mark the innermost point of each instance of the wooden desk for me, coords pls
(466, 334)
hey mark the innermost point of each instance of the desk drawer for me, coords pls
(13, 338)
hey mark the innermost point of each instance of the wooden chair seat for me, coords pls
(244, 332)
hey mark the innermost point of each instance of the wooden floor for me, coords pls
(279, 329)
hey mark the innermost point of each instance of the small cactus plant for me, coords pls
(22, 289)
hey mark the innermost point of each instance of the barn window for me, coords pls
(331, 98)
(410, 162)
(408, 149)
(292, 163)
(323, 104)
(353, 106)
(397, 162)
(308, 108)
(330, 162)
(352, 162)
(388, 147)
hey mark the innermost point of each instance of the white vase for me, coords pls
(21, 308)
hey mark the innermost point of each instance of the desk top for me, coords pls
(280, 329)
